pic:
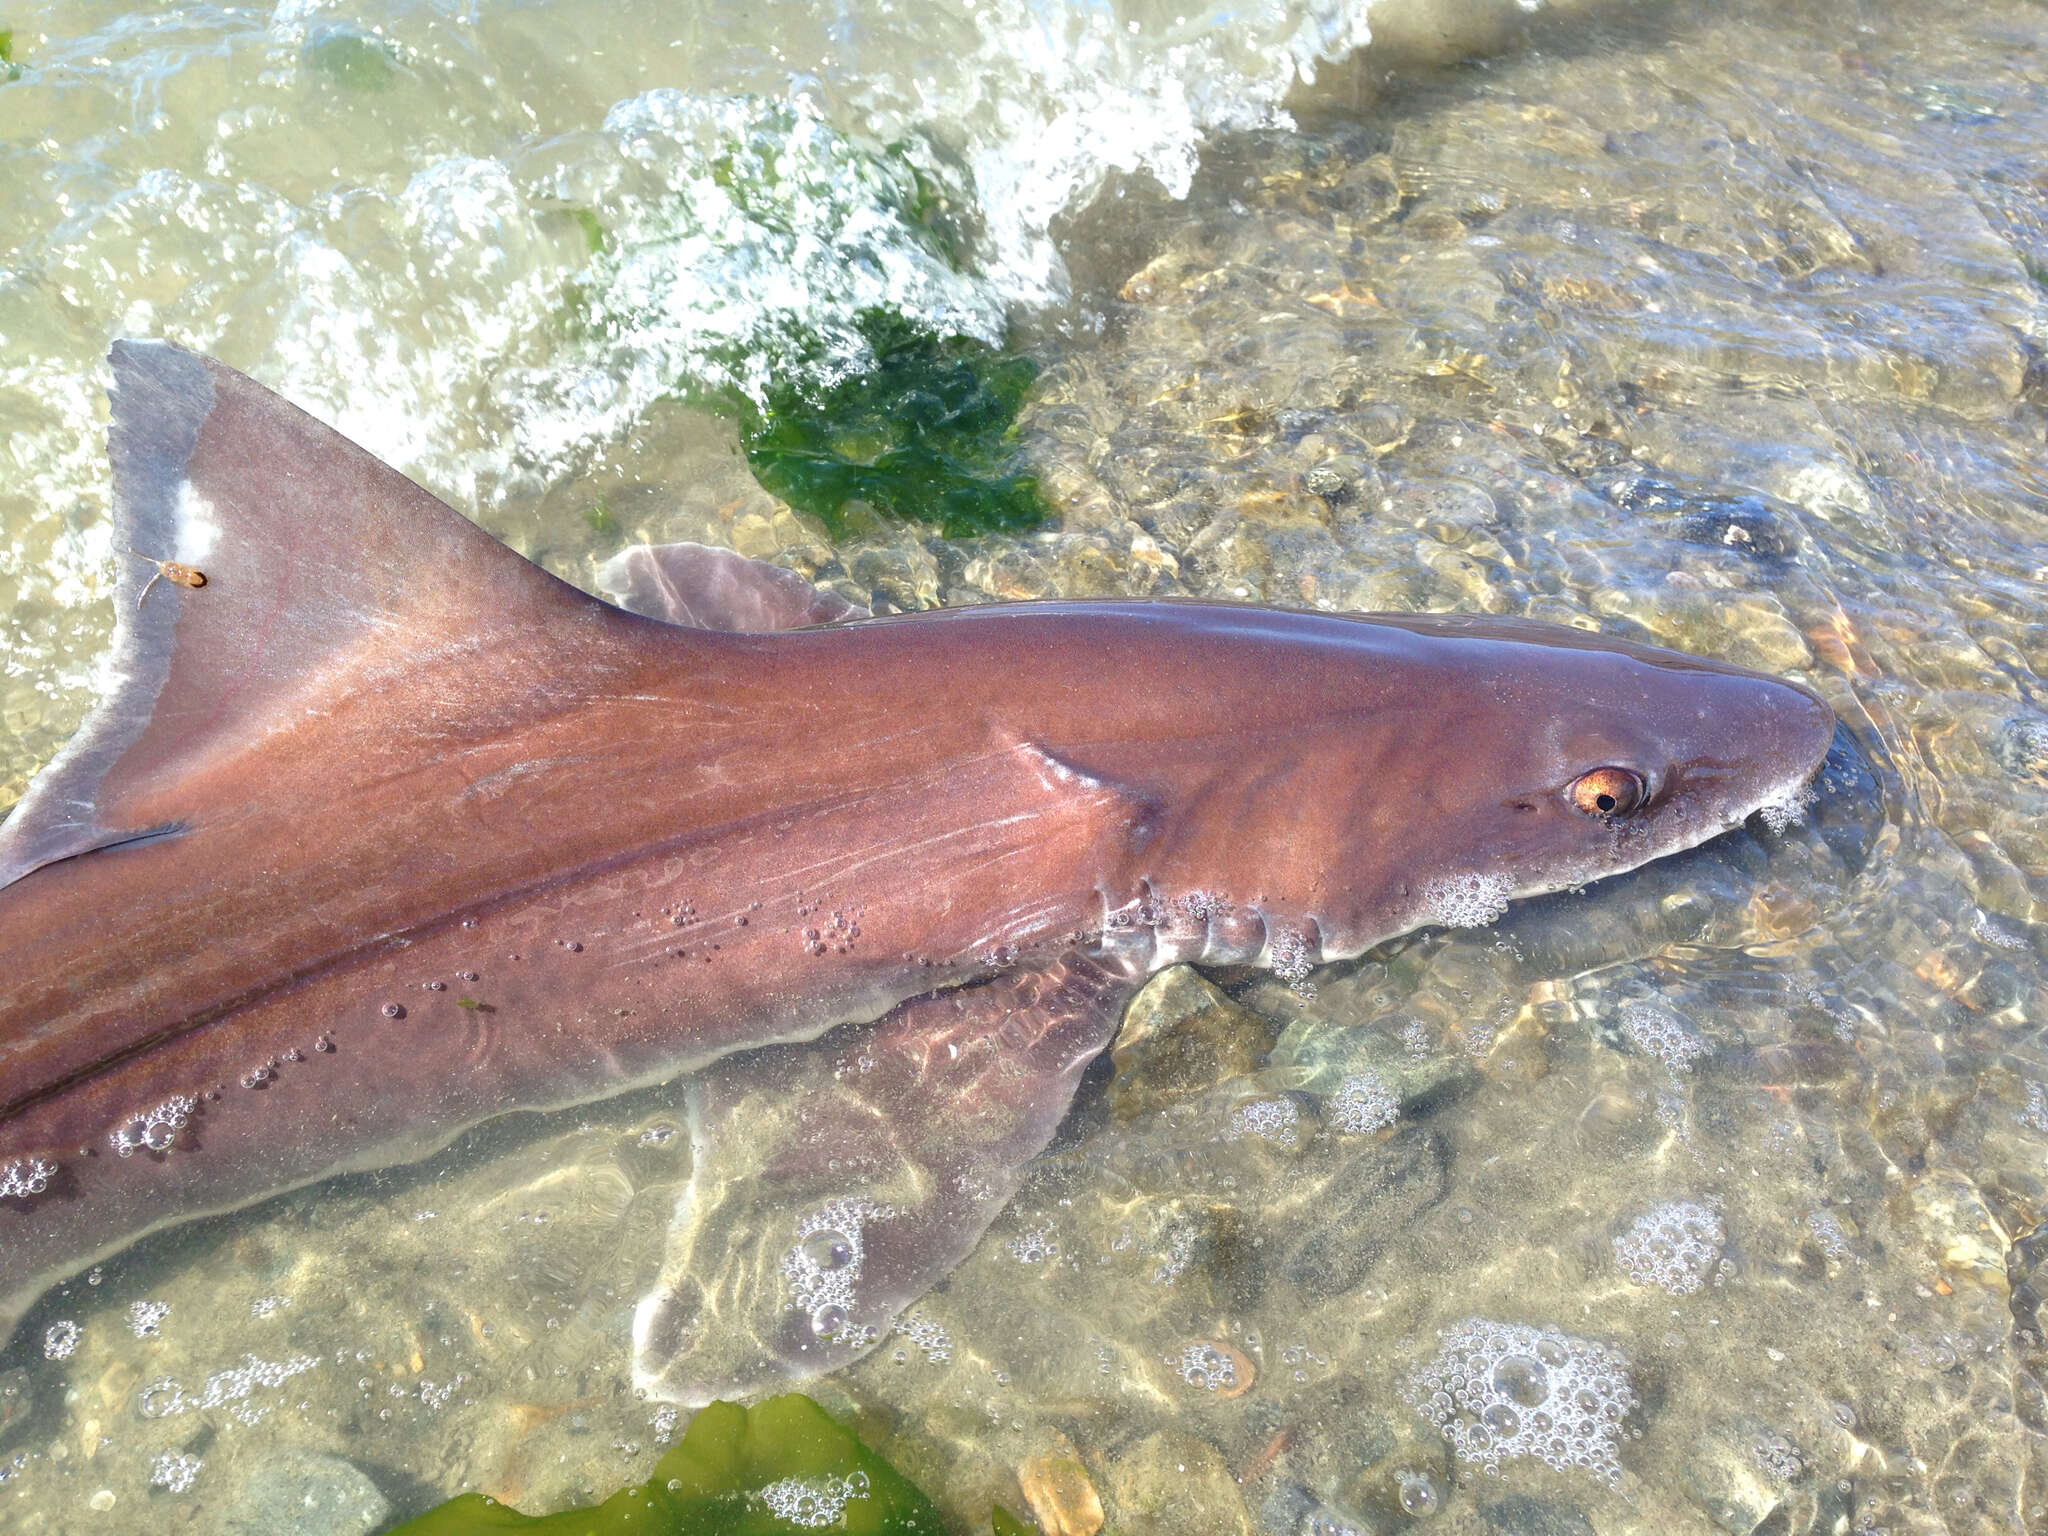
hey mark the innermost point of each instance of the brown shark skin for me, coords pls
(419, 759)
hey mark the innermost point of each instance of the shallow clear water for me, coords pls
(1720, 326)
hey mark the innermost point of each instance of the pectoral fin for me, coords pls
(834, 1184)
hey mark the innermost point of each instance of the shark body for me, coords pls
(384, 831)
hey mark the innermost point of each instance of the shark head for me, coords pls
(1383, 773)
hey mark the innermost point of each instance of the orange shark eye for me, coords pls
(1607, 792)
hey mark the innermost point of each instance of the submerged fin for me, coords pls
(289, 549)
(835, 1184)
(703, 587)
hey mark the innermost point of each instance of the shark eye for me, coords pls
(1607, 792)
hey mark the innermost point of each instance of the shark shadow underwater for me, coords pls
(383, 831)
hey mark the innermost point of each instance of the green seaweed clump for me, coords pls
(783, 1465)
(9, 70)
(925, 435)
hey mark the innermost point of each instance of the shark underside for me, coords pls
(383, 831)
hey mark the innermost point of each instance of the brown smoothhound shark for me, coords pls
(382, 831)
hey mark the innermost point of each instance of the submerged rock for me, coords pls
(1374, 1198)
(1181, 1036)
(309, 1494)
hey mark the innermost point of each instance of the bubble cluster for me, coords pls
(814, 1501)
(1674, 1246)
(1035, 1245)
(174, 1472)
(1274, 1120)
(1180, 1252)
(1778, 1458)
(1207, 1367)
(1363, 1104)
(1467, 901)
(1499, 1391)
(1657, 1032)
(60, 1339)
(1827, 1231)
(153, 1130)
(223, 1389)
(26, 1176)
(823, 1268)
(1788, 808)
(927, 1335)
(1287, 957)
(144, 1317)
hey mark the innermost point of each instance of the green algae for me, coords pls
(350, 57)
(814, 288)
(927, 434)
(782, 1465)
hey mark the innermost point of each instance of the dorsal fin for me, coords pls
(703, 587)
(310, 550)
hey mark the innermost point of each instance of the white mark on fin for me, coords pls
(198, 532)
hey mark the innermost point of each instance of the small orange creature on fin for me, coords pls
(167, 570)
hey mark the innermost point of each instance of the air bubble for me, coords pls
(828, 1320)
(1417, 1494)
(828, 1250)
